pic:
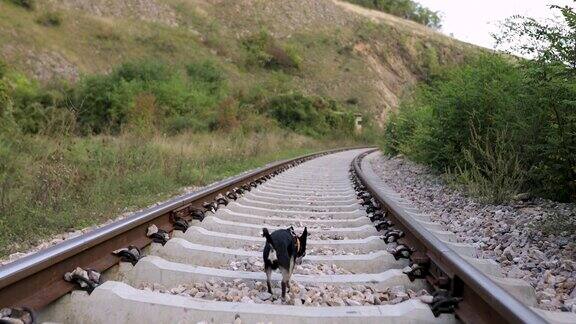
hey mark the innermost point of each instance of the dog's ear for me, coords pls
(304, 235)
(303, 239)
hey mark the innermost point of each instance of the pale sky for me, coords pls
(474, 21)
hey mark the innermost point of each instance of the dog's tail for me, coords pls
(267, 235)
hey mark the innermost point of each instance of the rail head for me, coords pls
(482, 299)
(38, 279)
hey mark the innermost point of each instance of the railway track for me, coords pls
(371, 258)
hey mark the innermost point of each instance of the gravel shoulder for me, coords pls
(511, 234)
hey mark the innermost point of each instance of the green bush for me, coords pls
(496, 123)
(50, 19)
(313, 116)
(103, 101)
(263, 51)
(493, 168)
(208, 75)
(29, 101)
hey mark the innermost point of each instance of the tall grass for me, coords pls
(492, 168)
(48, 186)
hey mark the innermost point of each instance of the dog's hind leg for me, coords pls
(285, 281)
(268, 278)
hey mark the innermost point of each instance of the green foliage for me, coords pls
(493, 168)
(263, 51)
(313, 116)
(500, 127)
(30, 105)
(406, 9)
(147, 97)
(50, 19)
(551, 81)
(142, 116)
(430, 62)
(28, 4)
(103, 101)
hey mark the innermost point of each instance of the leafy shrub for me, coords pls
(141, 117)
(313, 116)
(500, 125)
(28, 4)
(228, 119)
(58, 122)
(493, 169)
(103, 101)
(207, 74)
(50, 19)
(263, 51)
(29, 102)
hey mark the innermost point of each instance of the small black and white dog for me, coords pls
(282, 251)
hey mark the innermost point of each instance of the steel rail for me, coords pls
(37, 280)
(483, 301)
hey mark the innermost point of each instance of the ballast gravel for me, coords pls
(310, 251)
(306, 268)
(510, 233)
(317, 295)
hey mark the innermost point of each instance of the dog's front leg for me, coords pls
(268, 278)
(292, 265)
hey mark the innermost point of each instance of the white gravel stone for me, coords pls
(298, 294)
(264, 295)
(311, 251)
(306, 268)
